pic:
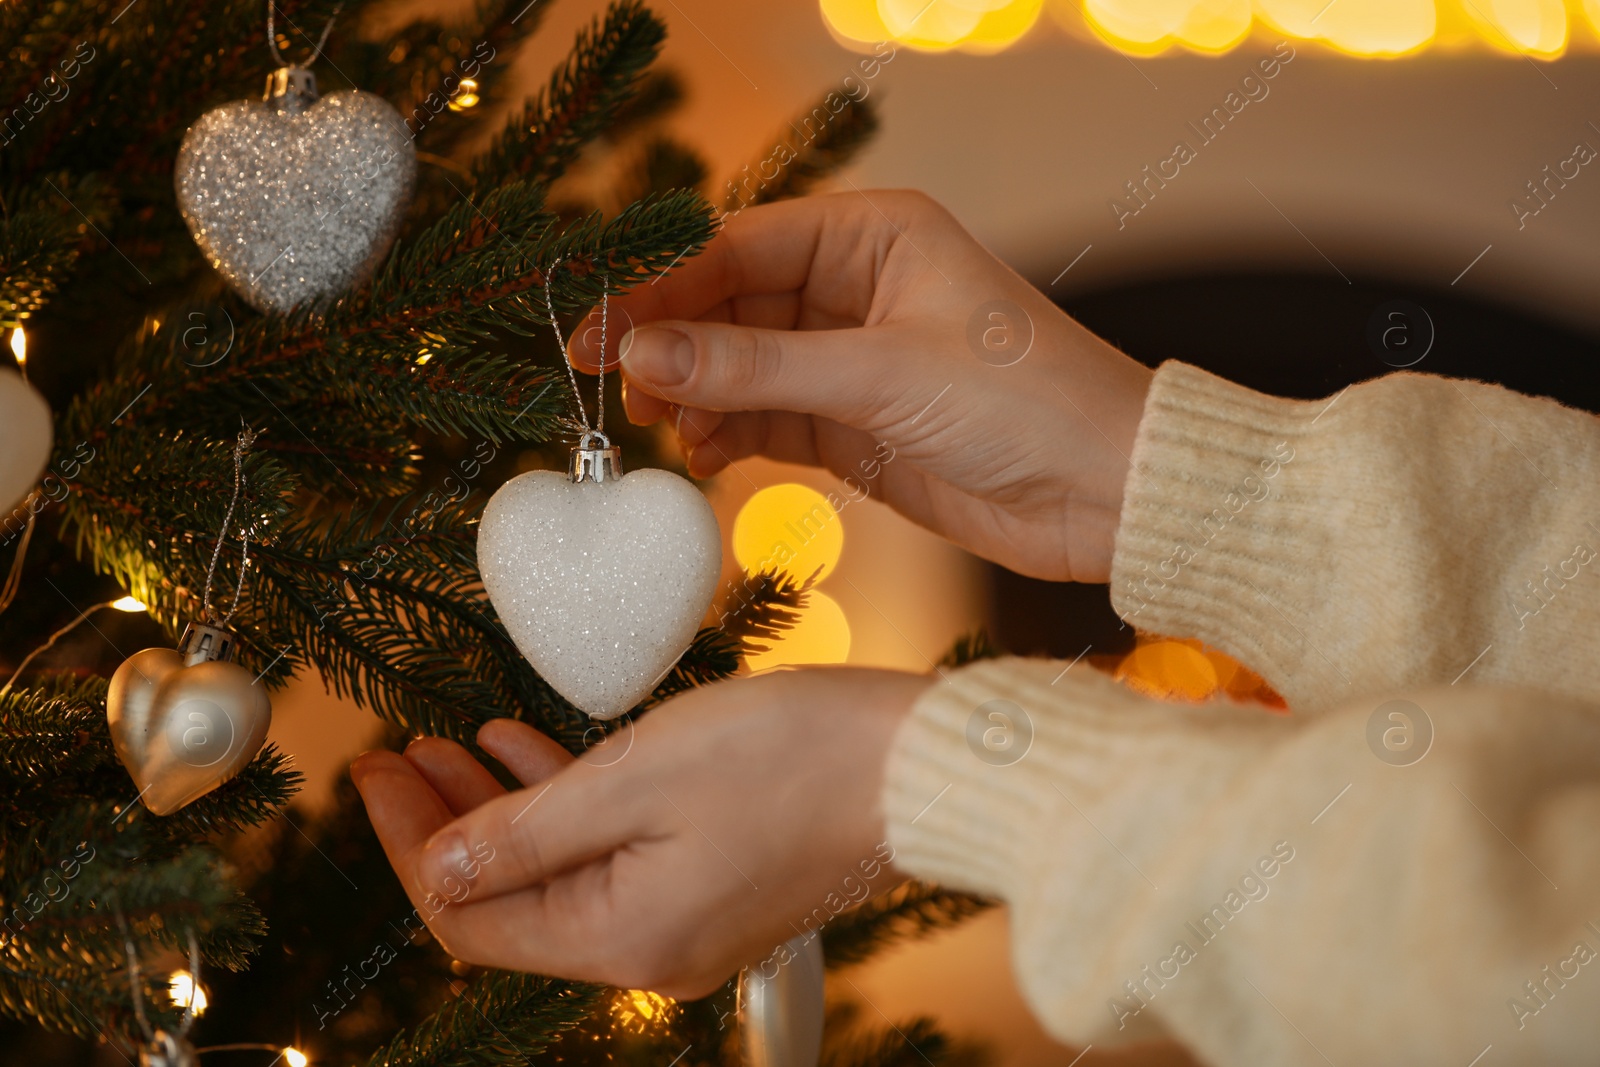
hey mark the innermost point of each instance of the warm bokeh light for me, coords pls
(1148, 26)
(295, 1058)
(1379, 28)
(1360, 27)
(639, 1010)
(466, 96)
(181, 987)
(19, 346)
(1186, 670)
(791, 527)
(1169, 670)
(934, 25)
(129, 604)
(1525, 26)
(820, 635)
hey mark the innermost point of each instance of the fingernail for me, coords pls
(660, 357)
(443, 864)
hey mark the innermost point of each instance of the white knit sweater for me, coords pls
(1267, 889)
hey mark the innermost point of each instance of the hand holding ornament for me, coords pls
(809, 331)
(604, 867)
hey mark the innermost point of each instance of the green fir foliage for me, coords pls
(384, 422)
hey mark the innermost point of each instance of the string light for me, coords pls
(130, 604)
(181, 987)
(19, 346)
(466, 96)
(1543, 29)
(287, 1054)
(50, 642)
(639, 1010)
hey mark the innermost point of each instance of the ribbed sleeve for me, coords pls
(1264, 888)
(1287, 889)
(1410, 529)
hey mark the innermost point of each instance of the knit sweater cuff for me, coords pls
(959, 801)
(1223, 512)
(1008, 754)
(1066, 795)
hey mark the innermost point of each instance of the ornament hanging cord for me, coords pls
(272, 32)
(247, 437)
(582, 422)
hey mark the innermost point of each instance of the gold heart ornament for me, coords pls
(185, 721)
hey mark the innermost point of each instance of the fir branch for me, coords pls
(150, 510)
(40, 242)
(819, 142)
(763, 606)
(261, 791)
(657, 94)
(385, 603)
(711, 656)
(55, 749)
(62, 958)
(917, 1043)
(364, 352)
(76, 850)
(391, 611)
(420, 67)
(970, 648)
(750, 619)
(502, 1019)
(907, 912)
(585, 94)
(662, 165)
(42, 730)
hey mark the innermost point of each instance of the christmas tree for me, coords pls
(382, 419)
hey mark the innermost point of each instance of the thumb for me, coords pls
(521, 839)
(839, 374)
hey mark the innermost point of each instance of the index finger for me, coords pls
(404, 808)
(762, 265)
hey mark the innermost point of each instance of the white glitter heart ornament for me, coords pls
(601, 583)
(25, 438)
(295, 199)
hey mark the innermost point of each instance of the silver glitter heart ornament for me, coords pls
(294, 199)
(601, 578)
(183, 722)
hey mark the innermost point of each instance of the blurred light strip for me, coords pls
(1542, 29)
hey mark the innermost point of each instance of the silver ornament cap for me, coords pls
(202, 644)
(290, 90)
(595, 459)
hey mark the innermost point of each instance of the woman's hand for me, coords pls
(677, 852)
(809, 331)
